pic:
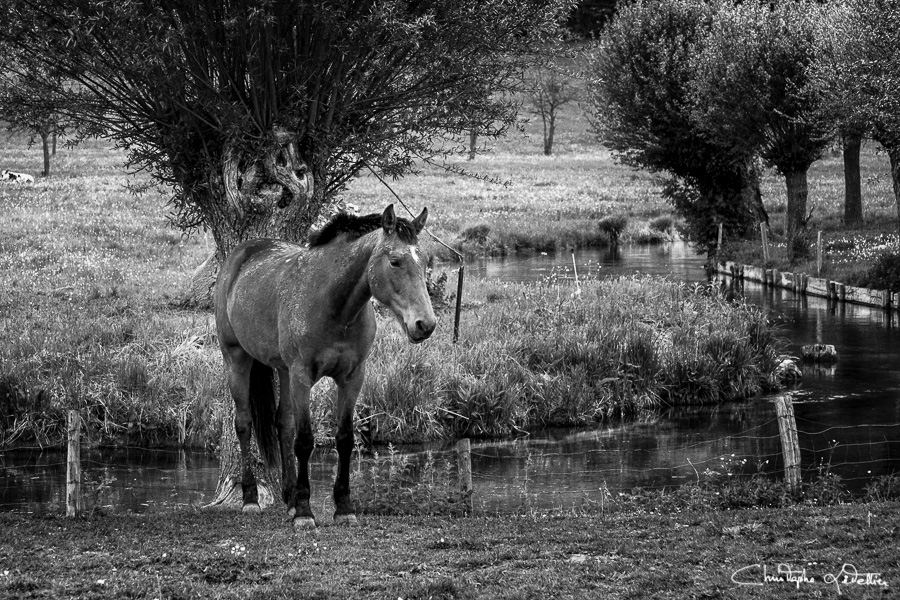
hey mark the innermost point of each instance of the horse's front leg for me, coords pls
(297, 443)
(348, 392)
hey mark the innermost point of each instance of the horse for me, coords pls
(305, 312)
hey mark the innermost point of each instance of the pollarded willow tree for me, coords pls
(753, 92)
(860, 78)
(257, 113)
(642, 105)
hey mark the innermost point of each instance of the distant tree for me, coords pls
(835, 83)
(551, 91)
(641, 100)
(753, 93)
(860, 80)
(31, 109)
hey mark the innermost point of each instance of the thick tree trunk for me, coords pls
(228, 491)
(751, 195)
(272, 197)
(894, 156)
(795, 218)
(549, 131)
(45, 144)
(853, 216)
(473, 143)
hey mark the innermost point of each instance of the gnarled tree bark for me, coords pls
(273, 195)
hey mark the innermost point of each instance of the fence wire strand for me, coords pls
(529, 464)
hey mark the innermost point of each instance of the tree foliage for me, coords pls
(32, 109)
(858, 77)
(642, 103)
(258, 113)
(551, 90)
(754, 93)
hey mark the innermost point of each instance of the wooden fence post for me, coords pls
(464, 462)
(765, 243)
(719, 241)
(819, 255)
(459, 291)
(790, 445)
(73, 465)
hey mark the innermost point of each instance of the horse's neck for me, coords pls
(349, 290)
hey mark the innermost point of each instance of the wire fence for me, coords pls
(548, 472)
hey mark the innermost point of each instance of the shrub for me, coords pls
(612, 226)
(663, 224)
(476, 233)
(885, 273)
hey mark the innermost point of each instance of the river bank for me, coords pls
(800, 552)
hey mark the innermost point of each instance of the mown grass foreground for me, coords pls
(846, 551)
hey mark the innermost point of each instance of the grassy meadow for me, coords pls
(90, 277)
(657, 551)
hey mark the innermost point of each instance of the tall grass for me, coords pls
(538, 355)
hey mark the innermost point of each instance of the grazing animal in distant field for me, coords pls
(304, 312)
(16, 177)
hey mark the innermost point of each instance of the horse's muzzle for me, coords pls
(421, 330)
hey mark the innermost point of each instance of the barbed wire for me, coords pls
(530, 464)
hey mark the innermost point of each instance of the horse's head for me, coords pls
(397, 275)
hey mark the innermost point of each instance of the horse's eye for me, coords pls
(395, 262)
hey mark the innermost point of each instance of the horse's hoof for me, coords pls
(251, 508)
(348, 519)
(304, 523)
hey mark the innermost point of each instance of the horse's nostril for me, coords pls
(424, 328)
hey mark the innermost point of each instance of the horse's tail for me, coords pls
(263, 408)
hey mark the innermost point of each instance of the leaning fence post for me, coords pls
(459, 291)
(765, 243)
(719, 241)
(819, 255)
(73, 465)
(464, 460)
(790, 445)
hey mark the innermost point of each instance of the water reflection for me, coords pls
(675, 260)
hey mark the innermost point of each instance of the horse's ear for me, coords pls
(389, 220)
(419, 222)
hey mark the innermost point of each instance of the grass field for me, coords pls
(655, 552)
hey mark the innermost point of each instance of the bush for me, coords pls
(613, 226)
(663, 224)
(885, 273)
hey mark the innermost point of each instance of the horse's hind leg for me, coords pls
(239, 365)
(348, 392)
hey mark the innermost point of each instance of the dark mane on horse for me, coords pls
(357, 226)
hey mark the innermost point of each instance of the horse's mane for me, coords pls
(356, 226)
